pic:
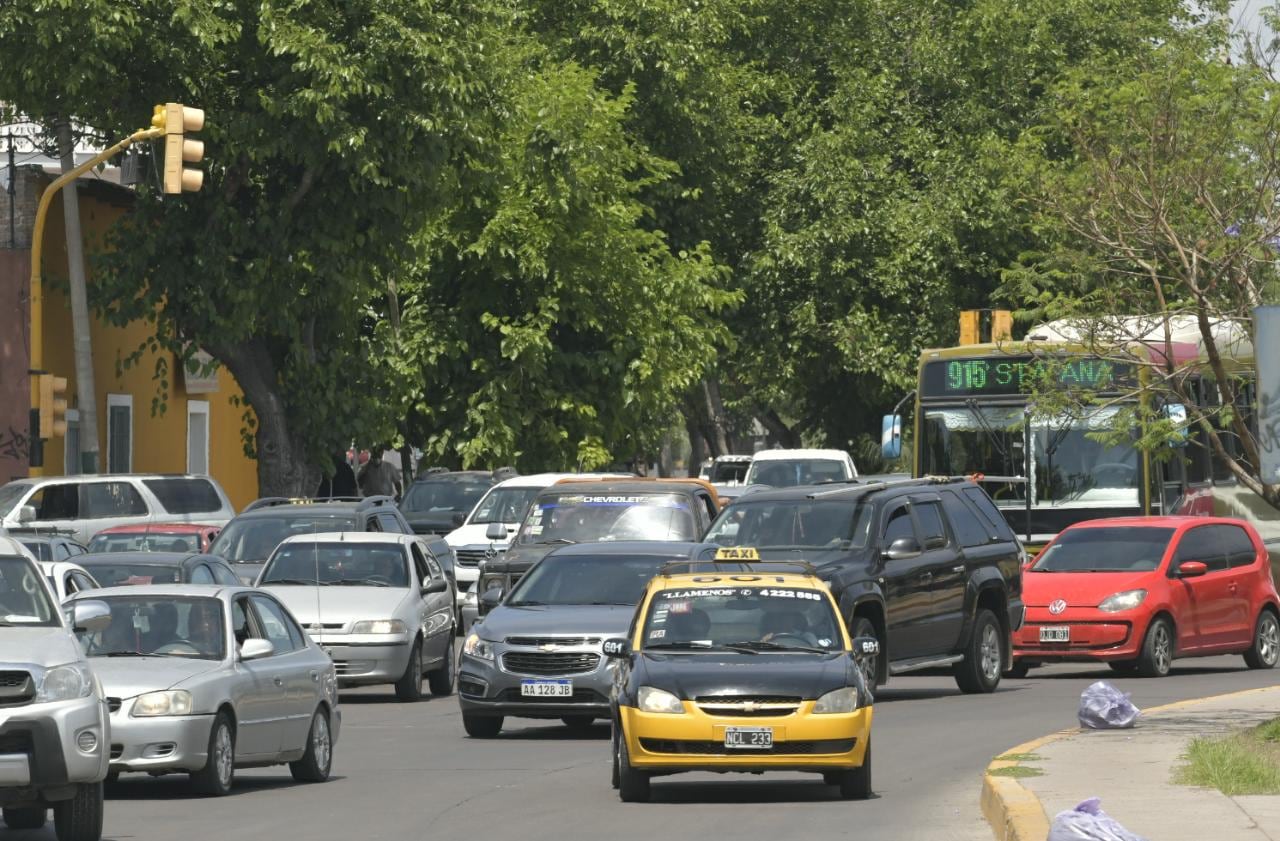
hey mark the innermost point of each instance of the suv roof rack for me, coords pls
(670, 567)
(858, 486)
(364, 502)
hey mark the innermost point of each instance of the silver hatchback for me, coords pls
(204, 679)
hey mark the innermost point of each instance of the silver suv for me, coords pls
(53, 716)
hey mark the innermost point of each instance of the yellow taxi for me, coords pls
(739, 666)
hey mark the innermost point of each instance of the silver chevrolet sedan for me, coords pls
(204, 679)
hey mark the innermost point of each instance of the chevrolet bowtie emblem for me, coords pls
(550, 646)
(750, 707)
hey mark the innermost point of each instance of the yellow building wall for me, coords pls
(159, 439)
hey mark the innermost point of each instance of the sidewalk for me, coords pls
(1132, 771)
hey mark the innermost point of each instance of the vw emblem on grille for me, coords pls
(1056, 607)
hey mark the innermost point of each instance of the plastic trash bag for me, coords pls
(1103, 707)
(1087, 822)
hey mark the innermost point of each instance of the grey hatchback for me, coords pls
(538, 654)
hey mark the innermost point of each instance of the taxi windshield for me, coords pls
(781, 617)
(160, 626)
(338, 564)
(579, 518)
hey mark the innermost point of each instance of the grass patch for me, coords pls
(1247, 762)
(1016, 771)
(1018, 757)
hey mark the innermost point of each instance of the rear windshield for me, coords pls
(144, 541)
(1121, 549)
(791, 472)
(119, 575)
(444, 496)
(579, 518)
(185, 496)
(42, 550)
(251, 540)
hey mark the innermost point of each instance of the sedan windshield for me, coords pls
(122, 574)
(794, 524)
(443, 496)
(338, 564)
(750, 618)
(791, 472)
(579, 518)
(23, 597)
(252, 540)
(160, 626)
(584, 579)
(1120, 549)
(504, 505)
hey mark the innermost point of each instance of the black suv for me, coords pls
(929, 567)
(439, 500)
(248, 540)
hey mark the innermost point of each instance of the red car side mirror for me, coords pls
(1191, 569)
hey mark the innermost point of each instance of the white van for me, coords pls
(82, 506)
(788, 468)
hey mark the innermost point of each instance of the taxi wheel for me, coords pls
(409, 686)
(219, 771)
(856, 784)
(31, 818)
(633, 785)
(80, 818)
(481, 726)
(979, 671)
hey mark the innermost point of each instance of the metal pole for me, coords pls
(36, 293)
(12, 190)
(1026, 454)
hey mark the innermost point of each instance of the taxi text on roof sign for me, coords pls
(737, 553)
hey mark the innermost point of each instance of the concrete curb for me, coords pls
(1014, 812)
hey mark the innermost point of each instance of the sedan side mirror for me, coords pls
(90, 616)
(256, 649)
(491, 598)
(865, 648)
(496, 531)
(617, 649)
(903, 549)
(435, 585)
(27, 514)
(1192, 569)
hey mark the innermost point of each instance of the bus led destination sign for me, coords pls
(1019, 375)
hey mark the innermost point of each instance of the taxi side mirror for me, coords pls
(865, 648)
(618, 649)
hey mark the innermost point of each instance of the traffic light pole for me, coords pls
(36, 289)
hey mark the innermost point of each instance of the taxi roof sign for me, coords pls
(737, 553)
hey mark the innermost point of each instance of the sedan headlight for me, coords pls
(378, 626)
(843, 700)
(169, 702)
(476, 647)
(658, 701)
(1127, 600)
(65, 683)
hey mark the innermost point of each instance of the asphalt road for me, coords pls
(407, 771)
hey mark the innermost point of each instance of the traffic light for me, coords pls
(177, 120)
(53, 406)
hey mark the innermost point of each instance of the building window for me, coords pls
(119, 433)
(71, 458)
(198, 436)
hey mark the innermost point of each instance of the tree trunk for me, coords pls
(666, 461)
(284, 468)
(697, 446)
(778, 428)
(715, 417)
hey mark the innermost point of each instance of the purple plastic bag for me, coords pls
(1103, 707)
(1087, 822)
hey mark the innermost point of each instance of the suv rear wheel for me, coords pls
(979, 671)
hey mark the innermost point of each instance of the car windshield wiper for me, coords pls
(358, 582)
(526, 604)
(304, 581)
(125, 654)
(554, 540)
(695, 646)
(765, 645)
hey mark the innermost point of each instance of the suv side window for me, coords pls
(83, 582)
(1202, 544)
(898, 525)
(60, 551)
(56, 502)
(111, 499)
(932, 531)
(999, 526)
(964, 522)
(1240, 549)
(387, 522)
(185, 496)
(275, 625)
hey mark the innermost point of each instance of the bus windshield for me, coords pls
(1069, 467)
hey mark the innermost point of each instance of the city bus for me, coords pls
(973, 416)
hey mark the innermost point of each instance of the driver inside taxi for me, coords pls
(204, 630)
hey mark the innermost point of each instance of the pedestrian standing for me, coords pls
(380, 478)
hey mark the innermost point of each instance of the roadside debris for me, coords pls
(1103, 707)
(1087, 822)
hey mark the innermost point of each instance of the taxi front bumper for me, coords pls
(695, 741)
(159, 743)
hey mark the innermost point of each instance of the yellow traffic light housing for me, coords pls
(177, 120)
(53, 406)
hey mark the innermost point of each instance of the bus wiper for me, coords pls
(972, 405)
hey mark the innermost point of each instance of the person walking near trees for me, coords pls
(379, 478)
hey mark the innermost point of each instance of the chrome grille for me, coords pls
(536, 642)
(748, 705)
(549, 663)
(16, 688)
(469, 557)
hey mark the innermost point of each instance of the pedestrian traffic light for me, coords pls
(53, 406)
(177, 120)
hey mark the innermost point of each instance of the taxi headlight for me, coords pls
(843, 700)
(1127, 600)
(476, 647)
(169, 702)
(378, 626)
(658, 701)
(64, 683)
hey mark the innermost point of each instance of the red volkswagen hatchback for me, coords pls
(1136, 593)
